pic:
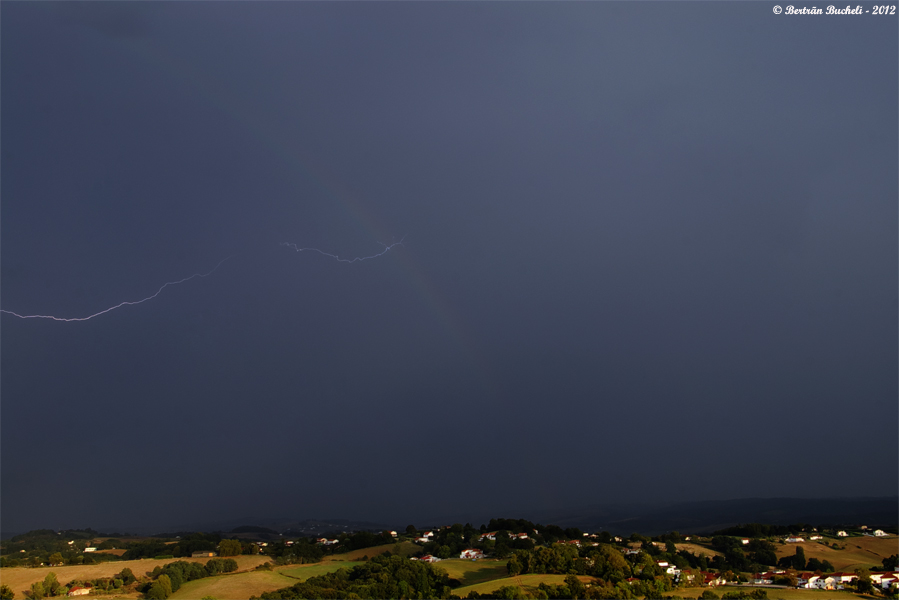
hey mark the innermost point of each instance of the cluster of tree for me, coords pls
(45, 546)
(187, 545)
(384, 576)
(347, 542)
(738, 557)
(169, 578)
(891, 563)
(302, 551)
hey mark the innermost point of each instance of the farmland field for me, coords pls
(859, 551)
(238, 586)
(21, 578)
(405, 548)
(469, 572)
(527, 582)
(697, 549)
(303, 572)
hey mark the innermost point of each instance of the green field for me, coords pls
(238, 586)
(404, 548)
(469, 572)
(527, 582)
(773, 593)
(304, 572)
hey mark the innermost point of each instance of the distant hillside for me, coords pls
(700, 517)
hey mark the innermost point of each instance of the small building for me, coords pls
(745, 541)
(91, 549)
(880, 533)
(393, 533)
(471, 553)
(423, 539)
(793, 540)
(842, 534)
(79, 591)
(814, 537)
(202, 553)
(430, 559)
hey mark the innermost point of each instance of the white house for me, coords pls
(794, 539)
(471, 553)
(842, 534)
(429, 559)
(423, 539)
(814, 537)
(91, 549)
(393, 533)
(881, 533)
(745, 541)
(489, 536)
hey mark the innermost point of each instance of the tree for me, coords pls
(166, 582)
(51, 585)
(230, 548)
(55, 559)
(37, 590)
(6, 592)
(575, 587)
(513, 566)
(127, 576)
(891, 563)
(863, 582)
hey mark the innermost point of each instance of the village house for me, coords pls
(427, 558)
(393, 533)
(842, 534)
(78, 591)
(326, 542)
(490, 536)
(91, 549)
(814, 537)
(199, 553)
(766, 578)
(881, 533)
(711, 579)
(791, 540)
(471, 553)
(745, 541)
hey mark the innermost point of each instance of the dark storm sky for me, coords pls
(650, 254)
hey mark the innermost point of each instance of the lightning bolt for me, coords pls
(346, 260)
(121, 304)
(195, 275)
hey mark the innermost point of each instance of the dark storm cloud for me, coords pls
(645, 242)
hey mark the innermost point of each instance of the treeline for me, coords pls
(761, 530)
(382, 577)
(187, 545)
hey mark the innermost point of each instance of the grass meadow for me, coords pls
(527, 582)
(21, 578)
(469, 572)
(864, 551)
(237, 586)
